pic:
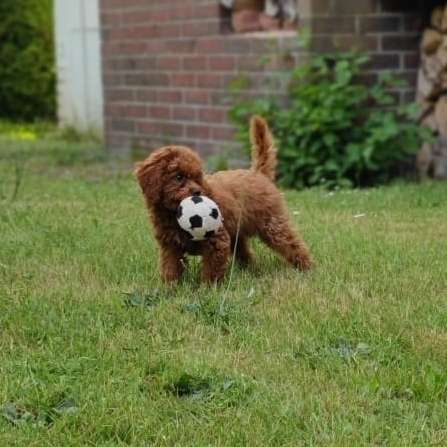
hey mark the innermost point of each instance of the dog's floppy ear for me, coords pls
(149, 175)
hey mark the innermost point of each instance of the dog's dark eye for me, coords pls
(179, 177)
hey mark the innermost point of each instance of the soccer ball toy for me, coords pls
(199, 216)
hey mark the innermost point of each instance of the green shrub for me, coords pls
(334, 130)
(27, 73)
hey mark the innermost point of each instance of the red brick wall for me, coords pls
(167, 70)
(168, 64)
(389, 30)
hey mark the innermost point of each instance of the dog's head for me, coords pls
(169, 175)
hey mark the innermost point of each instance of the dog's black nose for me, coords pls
(196, 192)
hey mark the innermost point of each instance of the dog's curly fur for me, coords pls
(250, 203)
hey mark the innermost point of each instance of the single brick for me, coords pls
(124, 4)
(129, 48)
(197, 97)
(252, 63)
(135, 111)
(143, 79)
(113, 94)
(322, 44)
(398, 6)
(222, 63)
(160, 112)
(170, 129)
(155, 46)
(350, 7)
(169, 96)
(223, 133)
(380, 24)
(195, 63)
(201, 132)
(199, 28)
(168, 63)
(180, 46)
(210, 45)
(356, 42)
(212, 115)
(209, 80)
(149, 127)
(145, 95)
(380, 61)
(403, 42)
(142, 32)
(123, 64)
(182, 113)
(170, 31)
(236, 44)
(182, 79)
(146, 63)
(134, 17)
(329, 25)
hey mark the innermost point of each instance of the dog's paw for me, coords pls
(305, 263)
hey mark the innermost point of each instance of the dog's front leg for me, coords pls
(171, 263)
(216, 256)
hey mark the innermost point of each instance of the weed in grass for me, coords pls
(42, 417)
(219, 311)
(138, 298)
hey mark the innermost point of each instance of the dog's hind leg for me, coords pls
(279, 235)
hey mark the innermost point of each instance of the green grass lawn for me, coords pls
(95, 351)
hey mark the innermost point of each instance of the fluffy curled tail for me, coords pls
(263, 150)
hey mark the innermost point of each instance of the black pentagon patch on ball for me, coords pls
(179, 212)
(210, 233)
(196, 199)
(214, 213)
(196, 221)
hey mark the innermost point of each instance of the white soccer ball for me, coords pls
(199, 216)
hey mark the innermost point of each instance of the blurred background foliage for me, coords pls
(27, 62)
(333, 129)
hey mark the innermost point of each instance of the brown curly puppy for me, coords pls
(250, 203)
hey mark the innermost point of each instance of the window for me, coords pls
(261, 15)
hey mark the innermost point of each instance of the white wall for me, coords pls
(78, 48)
